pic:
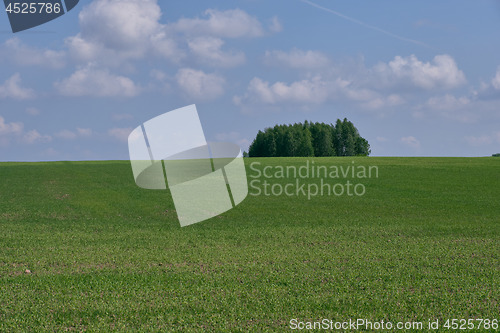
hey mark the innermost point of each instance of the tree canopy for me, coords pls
(310, 139)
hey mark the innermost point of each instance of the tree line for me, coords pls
(310, 139)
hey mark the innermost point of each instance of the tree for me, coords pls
(362, 147)
(310, 139)
(305, 148)
(349, 134)
(289, 144)
(338, 140)
(269, 143)
(322, 140)
(257, 146)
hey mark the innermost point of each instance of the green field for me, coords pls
(422, 244)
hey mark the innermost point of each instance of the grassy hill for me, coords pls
(422, 243)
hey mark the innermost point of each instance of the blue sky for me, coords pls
(418, 78)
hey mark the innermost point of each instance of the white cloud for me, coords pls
(120, 134)
(33, 111)
(15, 130)
(117, 30)
(84, 131)
(441, 73)
(34, 136)
(462, 109)
(306, 91)
(85, 50)
(313, 91)
(11, 88)
(99, 83)
(116, 33)
(386, 85)
(275, 25)
(121, 25)
(71, 135)
(378, 102)
(411, 141)
(165, 46)
(158, 74)
(448, 102)
(483, 140)
(10, 128)
(298, 59)
(197, 84)
(208, 50)
(496, 80)
(66, 134)
(233, 23)
(479, 140)
(15, 51)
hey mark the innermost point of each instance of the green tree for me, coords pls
(362, 147)
(256, 148)
(310, 139)
(305, 148)
(269, 143)
(322, 140)
(290, 144)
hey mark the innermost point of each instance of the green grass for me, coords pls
(422, 243)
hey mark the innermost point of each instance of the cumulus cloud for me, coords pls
(275, 25)
(378, 102)
(33, 111)
(315, 90)
(411, 141)
(12, 88)
(441, 73)
(233, 23)
(448, 102)
(66, 134)
(115, 30)
(496, 80)
(15, 130)
(10, 128)
(306, 91)
(483, 140)
(119, 24)
(298, 59)
(98, 83)
(84, 131)
(208, 50)
(19, 53)
(462, 109)
(198, 84)
(34, 136)
(386, 85)
(489, 91)
(71, 135)
(120, 134)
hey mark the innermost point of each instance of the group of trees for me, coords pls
(310, 139)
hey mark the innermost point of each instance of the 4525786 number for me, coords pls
(33, 8)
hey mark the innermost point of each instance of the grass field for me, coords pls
(422, 243)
